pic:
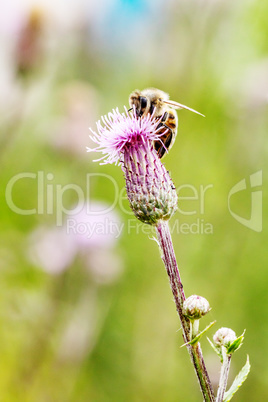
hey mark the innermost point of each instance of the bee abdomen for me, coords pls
(171, 121)
(171, 125)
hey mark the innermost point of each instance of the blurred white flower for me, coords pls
(12, 13)
(254, 85)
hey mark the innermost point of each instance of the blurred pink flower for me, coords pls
(51, 249)
(80, 332)
(93, 225)
(105, 266)
(91, 232)
(79, 107)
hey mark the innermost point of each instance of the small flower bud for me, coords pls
(224, 337)
(194, 307)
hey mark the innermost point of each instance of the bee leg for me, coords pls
(162, 121)
(163, 149)
(152, 109)
(163, 124)
(164, 118)
(161, 152)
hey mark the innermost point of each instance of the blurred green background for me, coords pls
(91, 318)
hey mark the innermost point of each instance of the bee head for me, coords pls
(155, 100)
(140, 102)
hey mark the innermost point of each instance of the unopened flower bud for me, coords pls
(194, 307)
(224, 337)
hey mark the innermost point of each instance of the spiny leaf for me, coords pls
(238, 381)
(217, 350)
(235, 344)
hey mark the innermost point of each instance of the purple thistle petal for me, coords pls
(119, 130)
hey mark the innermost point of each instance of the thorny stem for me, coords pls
(224, 374)
(169, 259)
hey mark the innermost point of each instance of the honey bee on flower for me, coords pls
(152, 101)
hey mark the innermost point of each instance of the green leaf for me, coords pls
(217, 350)
(235, 344)
(238, 381)
(196, 339)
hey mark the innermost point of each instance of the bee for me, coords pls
(152, 100)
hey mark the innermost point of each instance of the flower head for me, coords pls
(119, 131)
(129, 140)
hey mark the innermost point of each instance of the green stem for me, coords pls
(224, 374)
(169, 259)
(195, 328)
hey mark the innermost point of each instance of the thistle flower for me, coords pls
(128, 140)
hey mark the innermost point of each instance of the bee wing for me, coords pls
(177, 105)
